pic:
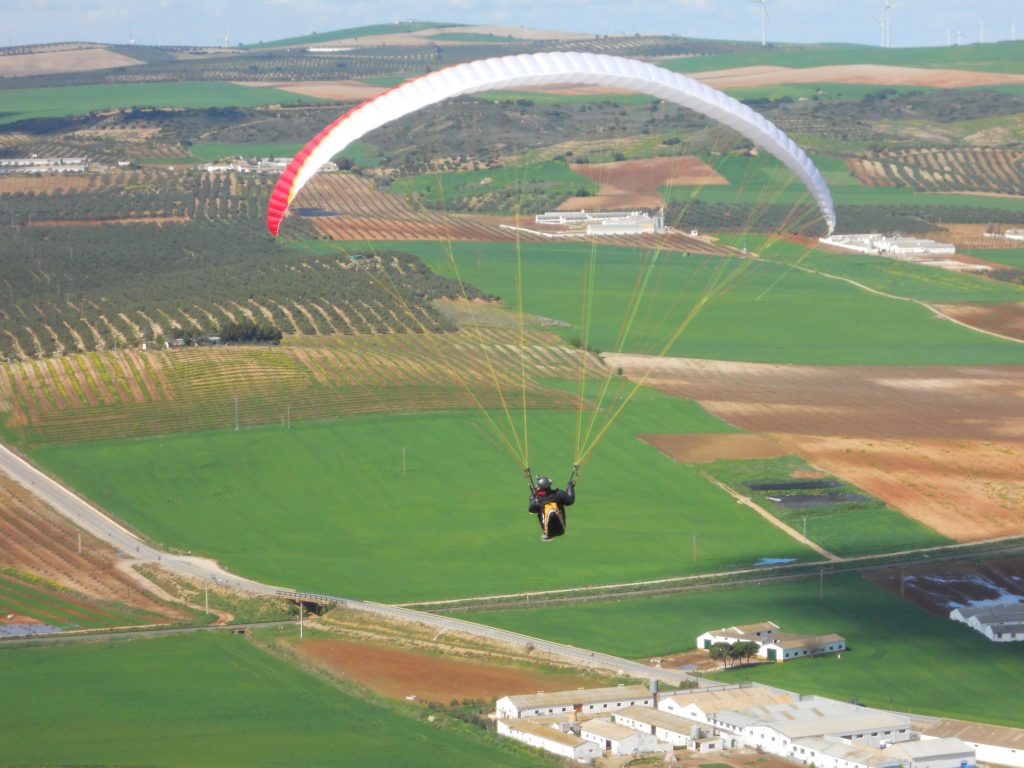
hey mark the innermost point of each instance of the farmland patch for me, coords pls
(940, 444)
(634, 183)
(399, 673)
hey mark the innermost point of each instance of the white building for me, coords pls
(590, 701)
(551, 739)
(747, 632)
(618, 739)
(999, 623)
(894, 245)
(773, 644)
(44, 164)
(993, 744)
(606, 222)
(672, 729)
(786, 646)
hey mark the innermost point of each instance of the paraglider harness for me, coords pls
(551, 511)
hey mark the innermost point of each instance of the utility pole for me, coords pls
(694, 535)
(301, 611)
(821, 583)
(404, 464)
(206, 588)
(79, 542)
(805, 526)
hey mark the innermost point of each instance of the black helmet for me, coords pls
(543, 483)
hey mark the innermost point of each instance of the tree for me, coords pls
(744, 650)
(721, 652)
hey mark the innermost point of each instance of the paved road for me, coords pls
(105, 528)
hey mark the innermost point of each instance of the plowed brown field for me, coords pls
(943, 445)
(366, 213)
(53, 62)
(634, 183)
(1006, 319)
(36, 540)
(398, 673)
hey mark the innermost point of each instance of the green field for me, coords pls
(843, 529)
(816, 91)
(327, 507)
(899, 278)
(352, 33)
(896, 649)
(992, 57)
(1011, 257)
(553, 177)
(22, 104)
(211, 700)
(757, 311)
(762, 180)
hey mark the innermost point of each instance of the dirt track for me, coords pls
(942, 444)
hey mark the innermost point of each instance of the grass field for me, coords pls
(22, 104)
(763, 180)
(757, 312)
(352, 33)
(328, 507)
(48, 603)
(1012, 257)
(816, 91)
(992, 57)
(896, 649)
(843, 529)
(899, 278)
(211, 700)
(554, 177)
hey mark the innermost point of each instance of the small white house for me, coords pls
(747, 632)
(618, 739)
(551, 739)
(784, 647)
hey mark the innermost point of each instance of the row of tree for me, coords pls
(733, 654)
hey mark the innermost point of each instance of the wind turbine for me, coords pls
(981, 31)
(887, 16)
(131, 37)
(881, 27)
(764, 20)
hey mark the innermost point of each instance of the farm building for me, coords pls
(748, 632)
(44, 164)
(999, 623)
(811, 730)
(592, 701)
(618, 739)
(773, 644)
(606, 222)
(672, 729)
(784, 646)
(551, 739)
(816, 730)
(993, 744)
(894, 245)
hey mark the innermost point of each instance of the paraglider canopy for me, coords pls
(528, 70)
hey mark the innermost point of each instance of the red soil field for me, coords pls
(398, 673)
(634, 183)
(698, 448)
(943, 444)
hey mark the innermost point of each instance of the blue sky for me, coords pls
(206, 22)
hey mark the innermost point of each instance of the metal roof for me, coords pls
(580, 697)
(525, 725)
(606, 729)
(976, 733)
